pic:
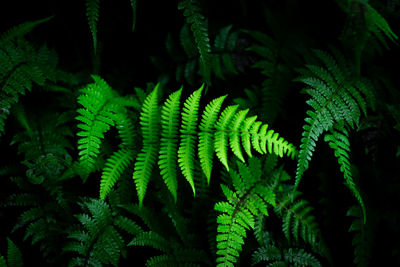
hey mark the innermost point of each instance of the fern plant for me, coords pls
(23, 65)
(249, 198)
(199, 26)
(337, 96)
(14, 256)
(99, 242)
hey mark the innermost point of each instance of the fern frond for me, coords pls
(99, 243)
(298, 221)
(336, 97)
(221, 134)
(299, 257)
(338, 140)
(113, 169)
(22, 66)
(92, 14)
(362, 240)
(216, 133)
(249, 198)
(98, 114)
(21, 30)
(188, 136)
(199, 26)
(206, 140)
(134, 7)
(14, 255)
(149, 120)
(169, 144)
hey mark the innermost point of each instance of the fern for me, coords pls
(99, 242)
(149, 120)
(249, 198)
(102, 108)
(92, 14)
(199, 26)
(23, 65)
(362, 240)
(298, 221)
(216, 134)
(339, 142)
(336, 97)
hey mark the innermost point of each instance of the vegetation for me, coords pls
(156, 133)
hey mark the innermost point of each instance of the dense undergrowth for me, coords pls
(200, 133)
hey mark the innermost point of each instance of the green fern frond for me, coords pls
(249, 198)
(337, 96)
(99, 242)
(92, 14)
(199, 26)
(378, 24)
(22, 67)
(298, 221)
(362, 240)
(299, 257)
(134, 11)
(21, 30)
(216, 133)
(100, 111)
(188, 136)
(14, 255)
(113, 169)
(221, 135)
(206, 138)
(149, 121)
(222, 49)
(169, 144)
(338, 140)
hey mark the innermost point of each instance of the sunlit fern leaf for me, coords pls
(169, 143)
(149, 121)
(338, 140)
(206, 137)
(337, 96)
(216, 133)
(113, 169)
(199, 26)
(188, 136)
(362, 240)
(221, 135)
(92, 14)
(249, 197)
(234, 138)
(98, 114)
(14, 255)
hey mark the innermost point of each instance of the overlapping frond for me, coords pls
(249, 197)
(337, 96)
